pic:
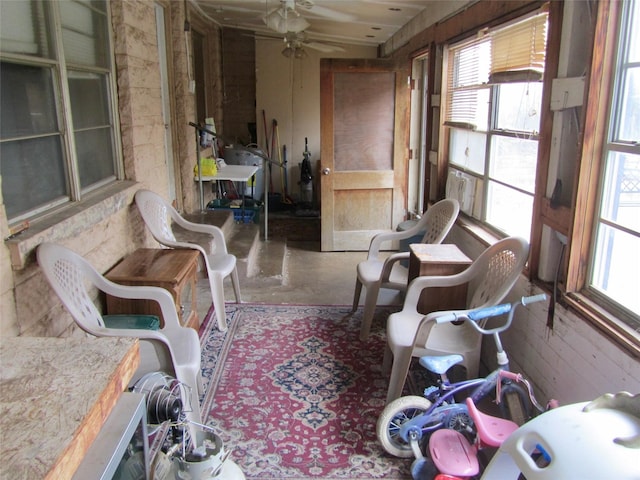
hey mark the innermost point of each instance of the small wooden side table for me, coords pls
(438, 259)
(172, 269)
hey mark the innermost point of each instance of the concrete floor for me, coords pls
(310, 277)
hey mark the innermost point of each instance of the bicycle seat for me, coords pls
(452, 453)
(491, 430)
(440, 363)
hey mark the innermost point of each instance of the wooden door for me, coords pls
(364, 149)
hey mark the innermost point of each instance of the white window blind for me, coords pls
(518, 51)
(515, 53)
(468, 69)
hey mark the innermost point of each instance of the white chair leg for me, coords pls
(217, 293)
(200, 384)
(387, 360)
(236, 285)
(356, 295)
(399, 370)
(471, 363)
(370, 301)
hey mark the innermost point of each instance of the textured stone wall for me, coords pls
(139, 94)
(239, 76)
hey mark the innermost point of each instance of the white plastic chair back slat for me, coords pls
(71, 281)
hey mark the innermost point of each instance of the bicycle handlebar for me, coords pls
(476, 315)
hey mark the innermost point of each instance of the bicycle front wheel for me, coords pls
(393, 417)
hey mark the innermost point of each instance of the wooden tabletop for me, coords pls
(439, 253)
(159, 264)
(55, 395)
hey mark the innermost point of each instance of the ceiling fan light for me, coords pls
(288, 52)
(300, 53)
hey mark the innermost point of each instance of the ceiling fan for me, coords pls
(297, 41)
(286, 18)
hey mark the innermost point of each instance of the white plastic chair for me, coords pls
(172, 349)
(411, 334)
(376, 272)
(157, 215)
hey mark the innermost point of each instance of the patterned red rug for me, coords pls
(296, 395)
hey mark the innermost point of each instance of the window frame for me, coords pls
(59, 68)
(601, 313)
(480, 212)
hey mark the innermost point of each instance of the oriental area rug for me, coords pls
(295, 394)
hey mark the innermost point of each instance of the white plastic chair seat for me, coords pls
(377, 272)
(223, 263)
(219, 264)
(173, 349)
(412, 334)
(370, 271)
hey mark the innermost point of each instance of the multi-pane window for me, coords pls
(493, 102)
(615, 261)
(57, 126)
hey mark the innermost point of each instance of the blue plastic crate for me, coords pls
(246, 218)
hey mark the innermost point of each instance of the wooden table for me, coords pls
(55, 395)
(435, 260)
(172, 269)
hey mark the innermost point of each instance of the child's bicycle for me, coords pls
(406, 421)
(453, 456)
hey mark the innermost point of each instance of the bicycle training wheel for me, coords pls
(514, 404)
(391, 419)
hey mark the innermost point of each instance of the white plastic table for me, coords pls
(233, 173)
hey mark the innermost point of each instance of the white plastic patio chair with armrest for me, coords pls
(412, 334)
(172, 349)
(377, 272)
(219, 263)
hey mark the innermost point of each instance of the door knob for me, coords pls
(326, 171)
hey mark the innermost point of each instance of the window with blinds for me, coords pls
(515, 53)
(493, 99)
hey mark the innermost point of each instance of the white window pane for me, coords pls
(634, 36)
(509, 211)
(467, 149)
(89, 99)
(616, 265)
(513, 161)
(84, 34)
(95, 156)
(33, 174)
(621, 190)
(629, 120)
(24, 28)
(27, 101)
(519, 107)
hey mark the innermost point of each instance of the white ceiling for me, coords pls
(359, 22)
